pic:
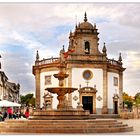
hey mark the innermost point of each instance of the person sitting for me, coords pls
(14, 115)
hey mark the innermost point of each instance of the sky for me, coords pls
(26, 28)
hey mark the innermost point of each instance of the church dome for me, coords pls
(85, 24)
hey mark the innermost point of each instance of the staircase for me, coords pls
(63, 126)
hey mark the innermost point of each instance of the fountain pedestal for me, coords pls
(60, 114)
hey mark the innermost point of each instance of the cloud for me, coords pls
(25, 28)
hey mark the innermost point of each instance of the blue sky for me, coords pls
(26, 28)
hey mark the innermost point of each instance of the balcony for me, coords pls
(47, 61)
(114, 62)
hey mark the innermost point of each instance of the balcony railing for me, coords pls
(56, 59)
(114, 62)
(47, 61)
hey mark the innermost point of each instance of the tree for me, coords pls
(137, 99)
(28, 99)
(128, 100)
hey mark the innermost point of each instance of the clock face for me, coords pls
(87, 74)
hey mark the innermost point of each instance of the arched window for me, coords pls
(87, 47)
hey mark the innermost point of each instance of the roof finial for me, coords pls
(94, 25)
(85, 18)
(37, 56)
(76, 26)
(104, 49)
(0, 62)
(63, 48)
(120, 58)
(70, 33)
(79, 25)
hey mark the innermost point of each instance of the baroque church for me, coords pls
(99, 80)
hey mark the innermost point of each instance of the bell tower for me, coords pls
(84, 40)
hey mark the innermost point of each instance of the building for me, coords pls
(8, 91)
(99, 79)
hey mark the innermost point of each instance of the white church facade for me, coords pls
(99, 80)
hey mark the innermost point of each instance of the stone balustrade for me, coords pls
(47, 61)
(114, 62)
(56, 59)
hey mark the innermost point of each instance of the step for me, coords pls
(63, 121)
(65, 130)
(64, 126)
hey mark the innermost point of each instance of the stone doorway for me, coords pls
(87, 96)
(87, 102)
(115, 107)
(115, 103)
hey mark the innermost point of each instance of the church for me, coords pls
(98, 79)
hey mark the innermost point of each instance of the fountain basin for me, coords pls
(61, 90)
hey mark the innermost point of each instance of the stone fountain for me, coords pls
(63, 111)
(61, 91)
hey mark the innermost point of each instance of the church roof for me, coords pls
(85, 24)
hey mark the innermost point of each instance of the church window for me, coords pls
(48, 80)
(87, 47)
(87, 74)
(115, 81)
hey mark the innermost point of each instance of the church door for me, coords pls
(115, 107)
(87, 102)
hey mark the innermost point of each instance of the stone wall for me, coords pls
(134, 114)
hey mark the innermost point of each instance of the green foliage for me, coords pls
(32, 101)
(128, 100)
(28, 99)
(137, 99)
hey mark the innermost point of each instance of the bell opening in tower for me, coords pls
(87, 47)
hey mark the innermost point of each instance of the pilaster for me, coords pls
(94, 104)
(120, 90)
(105, 91)
(70, 85)
(37, 79)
